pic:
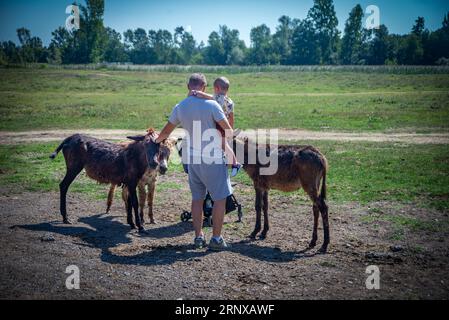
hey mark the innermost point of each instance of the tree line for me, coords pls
(314, 40)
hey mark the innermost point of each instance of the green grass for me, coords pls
(366, 172)
(316, 100)
(401, 224)
(362, 172)
(400, 221)
(28, 167)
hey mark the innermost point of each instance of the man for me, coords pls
(207, 170)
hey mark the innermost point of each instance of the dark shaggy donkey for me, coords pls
(149, 179)
(298, 167)
(109, 163)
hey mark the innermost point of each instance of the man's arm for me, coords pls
(165, 133)
(200, 94)
(231, 120)
(224, 124)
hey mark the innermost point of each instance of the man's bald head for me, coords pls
(197, 81)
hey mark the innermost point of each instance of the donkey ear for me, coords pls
(136, 138)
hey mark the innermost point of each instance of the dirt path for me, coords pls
(115, 262)
(284, 134)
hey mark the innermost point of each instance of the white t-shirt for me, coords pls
(197, 116)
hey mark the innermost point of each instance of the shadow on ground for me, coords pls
(104, 233)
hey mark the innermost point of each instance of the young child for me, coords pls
(221, 88)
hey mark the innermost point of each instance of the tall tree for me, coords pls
(411, 52)
(419, 26)
(305, 47)
(225, 47)
(162, 42)
(137, 45)
(325, 22)
(215, 51)
(11, 52)
(95, 32)
(31, 48)
(436, 45)
(261, 51)
(352, 39)
(115, 49)
(185, 46)
(282, 39)
(67, 45)
(380, 46)
(232, 45)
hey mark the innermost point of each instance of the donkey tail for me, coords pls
(58, 149)
(323, 193)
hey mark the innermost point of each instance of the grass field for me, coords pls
(334, 101)
(362, 172)
(383, 194)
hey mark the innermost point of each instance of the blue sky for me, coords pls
(43, 16)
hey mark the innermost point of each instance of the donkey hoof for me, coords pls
(66, 221)
(252, 236)
(312, 245)
(132, 225)
(263, 236)
(323, 250)
(142, 230)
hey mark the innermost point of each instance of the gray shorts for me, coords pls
(209, 177)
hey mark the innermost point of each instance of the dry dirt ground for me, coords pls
(116, 262)
(7, 137)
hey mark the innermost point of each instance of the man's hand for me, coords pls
(165, 133)
(200, 94)
(154, 137)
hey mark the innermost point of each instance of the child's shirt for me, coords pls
(226, 104)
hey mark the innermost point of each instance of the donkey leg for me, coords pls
(110, 197)
(142, 198)
(135, 206)
(258, 207)
(150, 199)
(325, 217)
(316, 215)
(266, 223)
(129, 213)
(312, 190)
(72, 173)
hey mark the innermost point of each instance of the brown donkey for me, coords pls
(298, 167)
(149, 180)
(107, 162)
